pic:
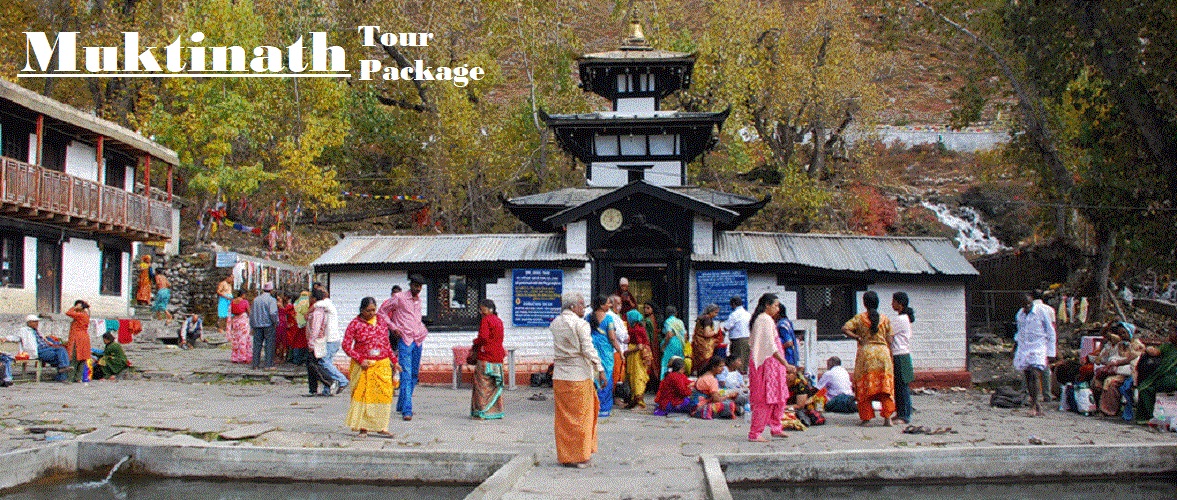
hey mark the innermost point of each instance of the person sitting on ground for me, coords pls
(731, 379)
(839, 390)
(191, 331)
(1157, 370)
(711, 401)
(1114, 361)
(800, 390)
(674, 393)
(113, 360)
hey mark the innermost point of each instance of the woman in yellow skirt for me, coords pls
(372, 366)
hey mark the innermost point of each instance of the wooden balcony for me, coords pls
(35, 193)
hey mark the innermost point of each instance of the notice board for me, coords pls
(718, 287)
(535, 295)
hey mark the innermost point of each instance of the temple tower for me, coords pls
(637, 140)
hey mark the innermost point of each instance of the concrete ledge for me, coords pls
(950, 463)
(308, 464)
(713, 476)
(502, 481)
(29, 465)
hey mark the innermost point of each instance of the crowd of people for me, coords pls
(1122, 374)
(747, 363)
(616, 353)
(74, 360)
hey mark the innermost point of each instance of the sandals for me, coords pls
(919, 429)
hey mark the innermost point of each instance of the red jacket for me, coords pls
(489, 343)
(674, 389)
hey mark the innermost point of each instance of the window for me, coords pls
(116, 170)
(14, 138)
(12, 260)
(53, 150)
(112, 272)
(453, 301)
(627, 83)
(830, 305)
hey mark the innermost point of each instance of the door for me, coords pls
(660, 280)
(48, 276)
(647, 283)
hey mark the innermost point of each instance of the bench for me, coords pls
(13, 347)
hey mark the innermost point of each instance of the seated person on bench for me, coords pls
(35, 346)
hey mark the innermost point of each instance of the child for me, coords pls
(731, 380)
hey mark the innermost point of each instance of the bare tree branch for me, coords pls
(422, 91)
(1033, 117)
(403, 104)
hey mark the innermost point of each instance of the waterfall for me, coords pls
(98, 484)
(972, 233)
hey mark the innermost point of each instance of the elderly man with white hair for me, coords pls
(576, 366)
(36, 346)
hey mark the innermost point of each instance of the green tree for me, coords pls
(1094, 82)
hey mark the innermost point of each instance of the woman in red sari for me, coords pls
(638, 360)
(296, 336)
(238, 332)
(767, 371)
(486, 403)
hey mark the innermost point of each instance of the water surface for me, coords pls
(1151, 487)
(127, 487)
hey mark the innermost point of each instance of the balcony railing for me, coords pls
(33, 192)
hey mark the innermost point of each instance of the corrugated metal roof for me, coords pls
(354, 250)
(571, 197)
(898, 255)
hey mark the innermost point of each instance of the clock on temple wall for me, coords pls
(611, 219)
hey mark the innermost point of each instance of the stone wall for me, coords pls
(194, 281)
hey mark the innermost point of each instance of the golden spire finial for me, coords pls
(635, 29)
(636, 39)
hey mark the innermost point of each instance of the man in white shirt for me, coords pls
(576, 366)
(622, 330)
(1036, 339)
(736, 327)
(839, 389)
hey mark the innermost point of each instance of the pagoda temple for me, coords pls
(637, 217)
(637, 140)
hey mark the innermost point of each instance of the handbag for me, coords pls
(623, 391)
(472, 358)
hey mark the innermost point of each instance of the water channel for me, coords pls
(131, 487)
(1149, 487)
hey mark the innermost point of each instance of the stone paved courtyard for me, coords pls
(184, 396)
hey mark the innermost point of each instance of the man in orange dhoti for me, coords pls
(576, 365)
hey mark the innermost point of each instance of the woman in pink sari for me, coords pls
(768, 379)
(238, 332)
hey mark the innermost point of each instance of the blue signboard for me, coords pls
(226, 259)
(535, 296)
(718, 287)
